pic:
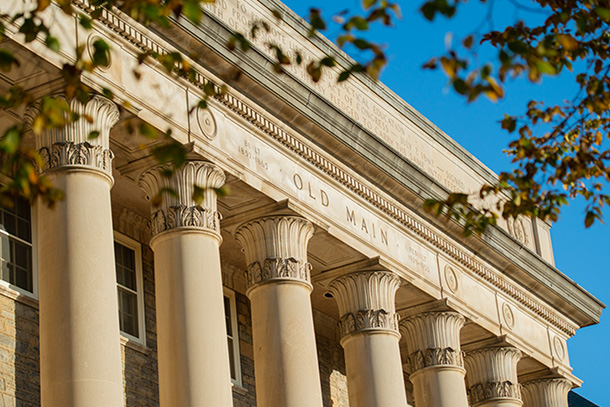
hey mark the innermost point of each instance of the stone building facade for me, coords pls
(317, 281)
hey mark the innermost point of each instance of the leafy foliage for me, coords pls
(559, 151)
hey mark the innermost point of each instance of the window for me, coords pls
(128, 260)
(232, 337)
(17, 260)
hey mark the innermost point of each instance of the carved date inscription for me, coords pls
(252, 152)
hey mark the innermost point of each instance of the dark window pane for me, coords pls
(232, 359)
(128, 312)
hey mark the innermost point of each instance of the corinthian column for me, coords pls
(191, 332)
(369, 328)
(435, 358)
(279, 288)
(80, 355)
(491, 375)
(546, 392)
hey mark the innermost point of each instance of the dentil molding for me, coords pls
(178, 209)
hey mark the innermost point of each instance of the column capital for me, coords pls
(179, 210)
(548, 392)
(433, 339)
(276, 250)
(70, 146)
(491, 375)
(366, 301)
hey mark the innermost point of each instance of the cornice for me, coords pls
(264, 122)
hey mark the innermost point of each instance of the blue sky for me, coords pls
(580, 253)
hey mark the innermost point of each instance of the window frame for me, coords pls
(11, 288)
(227, 292)
(137, 248)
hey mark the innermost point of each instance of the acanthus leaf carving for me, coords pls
(278, 269)
(368, 320)
(435, 357)
(492, 390)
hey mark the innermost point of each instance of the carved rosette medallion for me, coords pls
(546, 392)
(491, 373)
(70, 146)
(276, 250)
(516, 228)
(508, 316)
(451, 279)
(180, 210)
(207, 123)
(366, 301)
(560, 350)
(433, 339)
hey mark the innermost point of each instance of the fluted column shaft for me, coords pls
(491, 376)
(80, 355)
(435, 359)
(369, 327)
(551, 392)
(191, 332)
(278, 274)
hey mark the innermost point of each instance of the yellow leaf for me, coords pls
(568, 42)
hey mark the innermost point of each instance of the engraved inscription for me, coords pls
(313, 193)
(252, 152)
(366, 226)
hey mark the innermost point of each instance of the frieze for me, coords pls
(435, 357)
(278, 269)
(491, 390)
(133, 34)
(368, 320)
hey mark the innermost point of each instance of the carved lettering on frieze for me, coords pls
(313, 193)
(366, 226)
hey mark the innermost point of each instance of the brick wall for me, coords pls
(19, 351)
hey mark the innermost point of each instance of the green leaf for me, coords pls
(101, 53)
(7, 60)
(52, 43)
(93, 135)
(10, 140)
(603, 13)
(192, 10)
(85, 22)
(343, 76)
